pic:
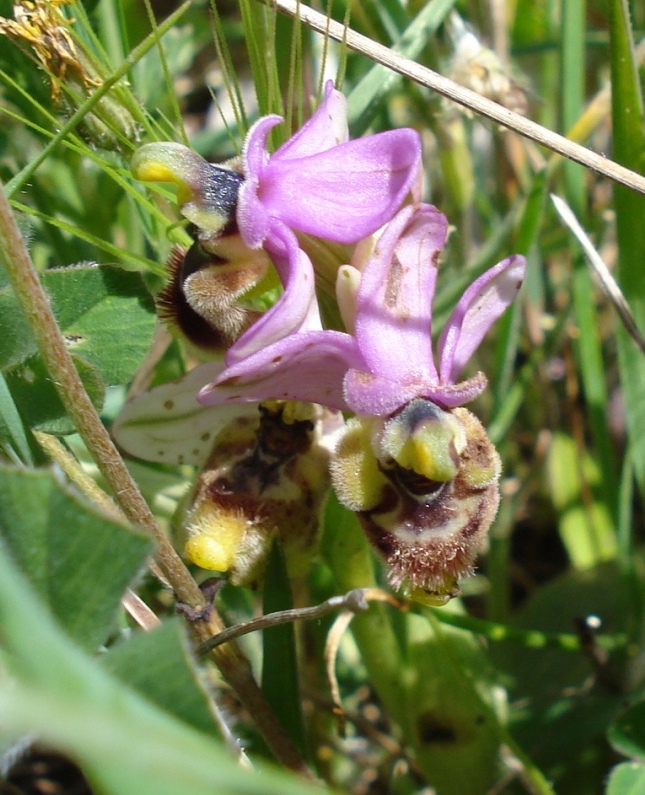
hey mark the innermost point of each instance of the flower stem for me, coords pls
(232, 663)
(348, 555)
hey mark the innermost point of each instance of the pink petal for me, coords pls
(451, 395)
(344, 193)
(373, 396)
(253, 220)
(477, 310)
(295, 310)
(308, 366)
(393, 323)
(326, 128)
(254, 154)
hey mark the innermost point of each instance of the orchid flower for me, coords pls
(318, 182)
(264, 473)
(418, 470)
(388, 360)
(321, 183)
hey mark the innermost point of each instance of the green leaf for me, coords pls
(627, 778)
(159, 665)
(124, 744)
(587, 343)
(13, 434)
(178, 50)
(627, 732)
(564, 730)
(453, 706)
(77, 559)
(105, 313)
(259, 31)
(40, 405)
(279, 660)
(585, 526)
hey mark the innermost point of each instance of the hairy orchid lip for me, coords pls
(428, 532)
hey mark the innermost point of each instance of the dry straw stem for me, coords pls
(50, 342)
(463, 96)
(354, 601)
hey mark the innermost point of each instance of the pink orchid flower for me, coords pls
(318, 182)
(388, 359)
(321, 183)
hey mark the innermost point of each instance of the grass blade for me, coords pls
(629, 146)
(280, 666)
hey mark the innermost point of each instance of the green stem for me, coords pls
(529, 638)
(349, 557)
(76, 474)
(234, 666)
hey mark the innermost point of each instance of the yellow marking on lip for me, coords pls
(216, 540)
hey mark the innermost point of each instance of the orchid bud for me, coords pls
(424, 485)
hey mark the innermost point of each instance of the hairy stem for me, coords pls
(234, 666)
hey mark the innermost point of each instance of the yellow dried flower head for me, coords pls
(43, 26)
(54, 46)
